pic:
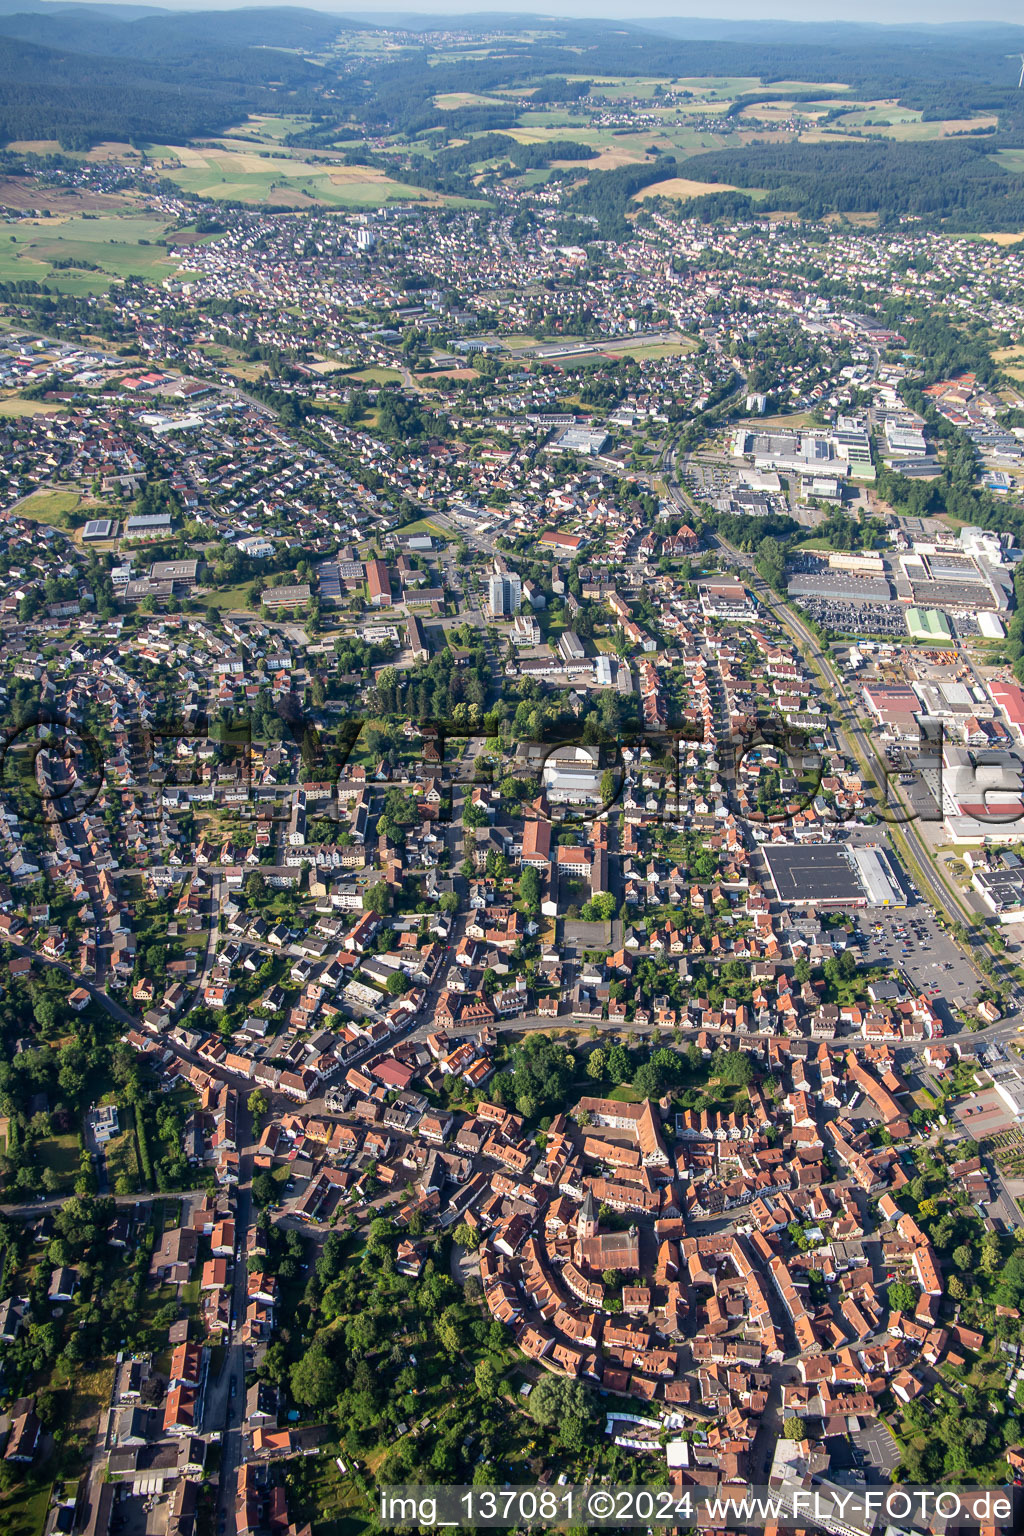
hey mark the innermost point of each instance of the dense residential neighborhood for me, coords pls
(511, 785)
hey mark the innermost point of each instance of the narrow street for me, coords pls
(225, 1406)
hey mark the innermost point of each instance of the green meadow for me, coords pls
(119, 245)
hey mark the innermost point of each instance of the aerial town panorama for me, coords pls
(511, 768)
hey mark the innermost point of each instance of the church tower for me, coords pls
(586, 1221)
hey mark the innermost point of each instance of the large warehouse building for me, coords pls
(829, 875)
(928, 624)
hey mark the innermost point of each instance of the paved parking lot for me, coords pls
(855, 618)
(934, 962)
(879, 1451)
(984, 1115)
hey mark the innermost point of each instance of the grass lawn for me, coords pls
(319, 1489)
(378, 376)
(120, 1153)
(91, 1392)
(23, 1510)
(813, 543)
(234, 598)
(424, 525)
(626, 1094)
(785, 422)
(653, 351)
(49, 506)
(62, 1154)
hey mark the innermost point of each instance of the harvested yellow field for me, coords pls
(861, 220)
(455, 99)
(682, 187)
(34, 146)
(1011, 361)
(341, 174)
(1000, 237)
(607, 160)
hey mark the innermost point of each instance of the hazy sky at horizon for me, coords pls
(975, 12)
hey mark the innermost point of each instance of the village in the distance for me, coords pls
(511, 869)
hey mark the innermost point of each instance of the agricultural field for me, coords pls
(613, 148)
(116, 245)
(903, 124)
(453, 99)
(13, 406)
(29, 196)
(280, 181)
(626, 121)
(269, 130)
(686, 126)
(1011, 361)
(682, 188)
(997, 237)
(98, 155)
(1011, 160)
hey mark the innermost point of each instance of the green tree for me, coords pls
(560, 1404)
(448, 1330)
(618, 1066)
(902, 1296)
(990, 1254)
(596, 1063)
(264, 1189)
(732, 1068)
(315, 1380)
(257, 1104)
(488, 1379)
(377, 898)
(529, 890)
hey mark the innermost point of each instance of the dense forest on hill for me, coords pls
(955, 180)
(158, 79)
(109, 32)
(606, 195)
(82, 101)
